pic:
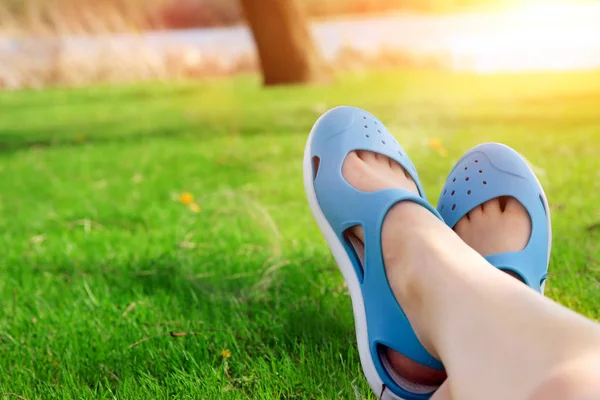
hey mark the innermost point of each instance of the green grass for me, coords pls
(100, 262)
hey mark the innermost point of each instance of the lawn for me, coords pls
(110, 287)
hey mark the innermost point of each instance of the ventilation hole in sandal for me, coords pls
(378, 130)
(442, 208)
(453, 192)
(445, 191)
(383, 141)
(485, 182)
(364, 117)
(476, 161)
(454, 207)
(454, 180)
(480, 171)
(366, 126)
(356, 251)
(543, 285)
(400, 153)
(467, 179)
(367, 136)
(469, 193)
(466, 168)
(543, 204)
(513, 274)
(316, 161)
(409, 374)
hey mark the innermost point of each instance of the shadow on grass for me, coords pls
(242, 300)
(266, 311)
(294, 316)
(132, 130)
(38, 101)
(71, 136)
(176, 124)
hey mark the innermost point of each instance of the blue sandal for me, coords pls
(337, 207)
(494, 170)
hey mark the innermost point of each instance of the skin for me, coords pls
(473, 317)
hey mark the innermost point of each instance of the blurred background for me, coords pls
(72, 42)
(154, 234)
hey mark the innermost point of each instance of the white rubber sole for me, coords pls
(345, 265)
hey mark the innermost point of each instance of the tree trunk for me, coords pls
(287, 53)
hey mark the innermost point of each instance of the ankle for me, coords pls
(414, 244)
(404, 242)
(407, 226)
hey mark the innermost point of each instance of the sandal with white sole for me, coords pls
(337, 206)
(491, 171)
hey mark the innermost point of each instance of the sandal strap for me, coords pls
(340, 132)
(520, 263)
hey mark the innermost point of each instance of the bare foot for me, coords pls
(370, 172)
(498, 226)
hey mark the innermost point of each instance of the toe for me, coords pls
(354, 156)
(366, 156)
(476, 213)
(513, 205)
(492, 206)
(503, 200)
(462, 226)
(497, 226)
(394, 166)
(516, 214)
(368, 171)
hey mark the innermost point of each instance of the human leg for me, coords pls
(496, 337)
(479, 321)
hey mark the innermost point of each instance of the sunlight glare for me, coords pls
(548, 35)
(546, 9)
